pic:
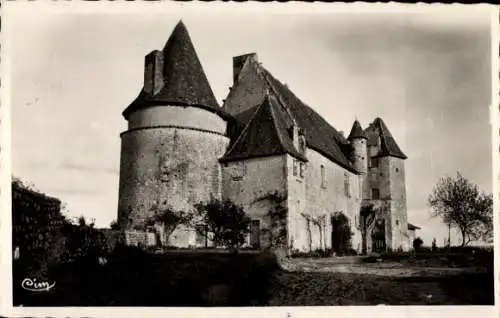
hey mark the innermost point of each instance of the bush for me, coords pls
(417, 244)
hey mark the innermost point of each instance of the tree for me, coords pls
(114, 225)
(169, 219)
(224, 221)
(461, 205)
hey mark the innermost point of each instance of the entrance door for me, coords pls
(341, 233)
(378, 237)
(255, 234)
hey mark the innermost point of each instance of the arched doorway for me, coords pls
(378, 236)
(341, 233)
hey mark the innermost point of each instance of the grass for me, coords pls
(132, 277)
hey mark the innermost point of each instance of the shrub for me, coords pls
(417, 244)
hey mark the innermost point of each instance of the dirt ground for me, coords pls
(385, 268)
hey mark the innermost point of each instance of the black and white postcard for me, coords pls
(278, 159)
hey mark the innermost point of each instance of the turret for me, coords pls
(175, 136)
(359, 156)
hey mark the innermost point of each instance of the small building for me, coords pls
(412, 231)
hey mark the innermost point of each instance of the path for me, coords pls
(356, 266)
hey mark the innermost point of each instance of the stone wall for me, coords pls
(249, 182)
(326, 198)
(399, 216)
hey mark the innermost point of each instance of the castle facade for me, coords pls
(181, 148)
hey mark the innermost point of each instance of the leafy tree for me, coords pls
(225, 222)
(169, 219)
(461, 205)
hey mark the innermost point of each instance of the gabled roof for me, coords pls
(266, 134)
(388, 145)
(356, 131)
(412, 227)
(320, 135)
(185, 82)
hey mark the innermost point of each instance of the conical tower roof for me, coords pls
(388, 145)
(184, 81)
(356, 131)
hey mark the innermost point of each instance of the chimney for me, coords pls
(239, 61)
(153, 72)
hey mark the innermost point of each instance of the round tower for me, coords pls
(175, 136)
(359, 155)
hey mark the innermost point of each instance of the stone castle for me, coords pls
(181, 148)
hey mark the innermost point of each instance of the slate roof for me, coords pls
(320, 135)
(185, 82)
(412, 227)
(266, 134)
(388, 145)
(356, 131)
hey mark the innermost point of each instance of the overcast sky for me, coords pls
(428, 75)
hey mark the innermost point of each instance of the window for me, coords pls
(302, 168)
(397, 169)
(397, 222)
(323, 177)
(346, 185)
(375, 194)
(295, 168)
(374, 163)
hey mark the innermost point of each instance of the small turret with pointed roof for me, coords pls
(359, 153)
(356, 131)
(174, 76)
(378, 131)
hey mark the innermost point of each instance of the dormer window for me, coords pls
(302, 144)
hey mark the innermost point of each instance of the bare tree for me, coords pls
(461, 205)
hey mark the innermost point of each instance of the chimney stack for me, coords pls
(153, 72)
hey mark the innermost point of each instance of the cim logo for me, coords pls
(33, 285)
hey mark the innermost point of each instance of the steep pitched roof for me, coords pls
(185, 82)
(266, 134)
(356, 131)
(320, 135)
(388, 145)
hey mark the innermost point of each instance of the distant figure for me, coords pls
(434, 247)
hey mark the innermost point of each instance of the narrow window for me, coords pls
(375, 194)
(323, 176)
(397, 222)
(295, 168)
(397, 169)
(374, 162)
(255, 234)
(346, 185)
(302, 168)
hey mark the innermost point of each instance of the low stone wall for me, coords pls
(139, 238)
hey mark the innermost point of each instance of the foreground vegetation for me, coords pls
(132, 277)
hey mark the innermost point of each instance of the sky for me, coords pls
(426, 73)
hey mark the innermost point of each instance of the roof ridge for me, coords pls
(278, 97)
